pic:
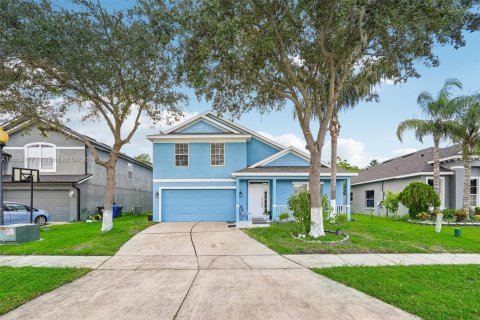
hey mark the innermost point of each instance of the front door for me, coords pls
(258, 198)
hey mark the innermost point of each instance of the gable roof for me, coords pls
(200, 117)
(234, 128)
(18, 124)
(409, 165)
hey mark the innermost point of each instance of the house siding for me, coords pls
(288, 160)
(199, 161)
(201, 127)
(258, 150)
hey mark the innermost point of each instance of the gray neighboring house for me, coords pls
(370, 186)
(70, 182)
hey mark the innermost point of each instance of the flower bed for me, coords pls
(446, 223)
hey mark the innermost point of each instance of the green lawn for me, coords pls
(431, 292)
(377, 234)
(81, 239)
(19, 285)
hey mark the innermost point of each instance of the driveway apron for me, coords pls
(202, 271)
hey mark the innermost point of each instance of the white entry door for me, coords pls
(258, 198)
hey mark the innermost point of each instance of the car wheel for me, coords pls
(41, 220)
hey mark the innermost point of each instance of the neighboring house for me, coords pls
(371, 185)
(211, 169)
(70, 182)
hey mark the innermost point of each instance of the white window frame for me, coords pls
(129, 170)
(41, 144)
(442, 190)
(302, 183)
(366, 199)
(478, 193)
(217, 165)
(175, 154)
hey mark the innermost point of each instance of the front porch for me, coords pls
(266, 196)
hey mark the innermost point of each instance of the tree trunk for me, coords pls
(107, 222)
(436, 166)
(316, 229)
(467, 172)
(334, 132)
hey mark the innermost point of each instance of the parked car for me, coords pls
(14, 212)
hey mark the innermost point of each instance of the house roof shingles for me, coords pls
(409, 164)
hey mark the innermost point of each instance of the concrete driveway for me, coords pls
(203, 271)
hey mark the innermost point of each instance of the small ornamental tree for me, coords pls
(418, 197)
(391, 202)
(299, 204)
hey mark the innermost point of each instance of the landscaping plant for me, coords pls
(284, 216)
(461, 215)
(326, 207)
(448, 213)
(391, 203)
(299, 204)
(418, 197)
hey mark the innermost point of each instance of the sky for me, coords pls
(368, 131)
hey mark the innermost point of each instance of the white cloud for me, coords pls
(287, 139)
(402, 151)
(352, 150)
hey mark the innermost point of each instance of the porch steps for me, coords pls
(256, 220)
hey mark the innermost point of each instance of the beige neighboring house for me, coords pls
(370, 186)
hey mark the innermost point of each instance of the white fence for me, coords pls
(341, 209)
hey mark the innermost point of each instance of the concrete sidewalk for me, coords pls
(92, 262)
(202, 271)
(381, 259)
(148, 258)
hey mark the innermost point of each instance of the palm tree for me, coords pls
(439, 123)
(354, 91)
(467, 133)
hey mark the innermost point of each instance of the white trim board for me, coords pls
(287, 174)
(207, 138)
(160, 189)
(202, 116)
(194, 180)
(416, 174)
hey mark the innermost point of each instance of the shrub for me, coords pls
(340, 221)
(476, 217)
(391, 202)
(284, 216)
(423, 216)
(476, 210)
(448, 213)
(326, 206)
(300, 206)
(418, 197)
(461, 215)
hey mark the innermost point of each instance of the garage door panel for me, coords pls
(198, 205)
(56, 202)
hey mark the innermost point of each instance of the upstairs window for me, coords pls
(130, 171)
(217, 154)
(40, 156)
(181, 154)
(370, 199)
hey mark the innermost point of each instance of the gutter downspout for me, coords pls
(78, 200)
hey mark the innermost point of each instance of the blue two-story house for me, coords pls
(211, 169)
